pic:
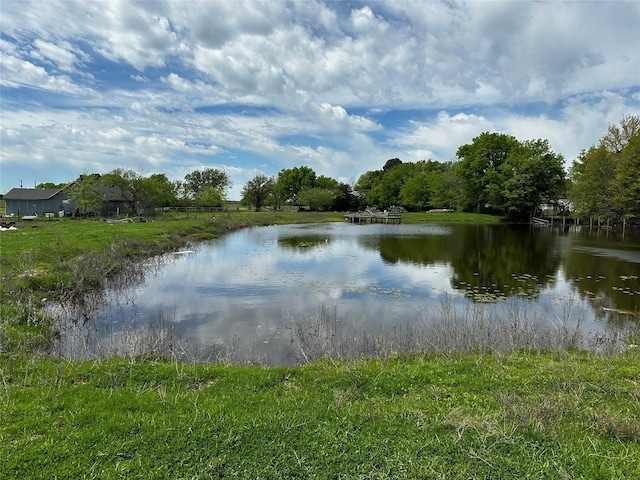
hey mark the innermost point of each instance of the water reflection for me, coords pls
(248, 289)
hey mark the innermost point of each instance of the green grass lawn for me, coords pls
(450, 217)
(463, 416)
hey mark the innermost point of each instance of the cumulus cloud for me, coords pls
(440, 138)
(260, 86)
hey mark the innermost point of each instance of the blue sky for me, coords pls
(255, 87)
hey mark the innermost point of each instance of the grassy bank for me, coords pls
(463, 416)
(450, 217)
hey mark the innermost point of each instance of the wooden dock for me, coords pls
(369, 216)
(539, 221)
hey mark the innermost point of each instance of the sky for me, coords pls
(339, 86)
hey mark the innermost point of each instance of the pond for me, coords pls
(284, 295)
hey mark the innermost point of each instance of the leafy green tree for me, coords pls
(318, 199)
(198, 180)
(366, 182)
(627, 180)
(210, 197)
(291, 181)
(125, 184)
(327, 183)
(532, 175)
(605, 178)
(51, 185)
(155, 191)
(593, 174)
(501, 174)
(391, 164)
(258, 191)
(479, 169)
(412, 185)
(386, 191)
(445, 187)
(416, 191)
(86, 192)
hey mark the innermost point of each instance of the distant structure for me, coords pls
(371, 215)
(38, 201)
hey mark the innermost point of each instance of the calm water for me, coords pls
(246, 290)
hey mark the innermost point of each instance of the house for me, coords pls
(108, 200)
(114, 201)
(560, 207)
(38, 201)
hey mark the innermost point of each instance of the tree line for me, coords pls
(495, 173)
(605, 180)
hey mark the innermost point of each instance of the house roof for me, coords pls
(31, 193)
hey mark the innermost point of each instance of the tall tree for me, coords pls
(593, 174)
(627, 181)
(182, 194)
(605, 178)
(386, 191)
(318, 199)
(445, 187)
(479, 169)
(416, 191)
(155, 191)
(257, 191)
(366, 182)
(345, 199)
(326, 194)
(210, 197)
(198, 180)
(292, 180)
(533, 175)
(391, 164)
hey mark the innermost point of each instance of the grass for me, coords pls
(450, 217)
(425, 416)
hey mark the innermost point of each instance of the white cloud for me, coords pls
(441, 137)
(61, 57)
(18, 73)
